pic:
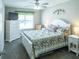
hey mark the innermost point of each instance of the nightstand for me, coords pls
(73, 44)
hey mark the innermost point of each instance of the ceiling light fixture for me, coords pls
(38, 5)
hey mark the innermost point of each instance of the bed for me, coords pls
(38, 42)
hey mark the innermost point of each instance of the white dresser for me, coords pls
(73, 44)
(12, 30)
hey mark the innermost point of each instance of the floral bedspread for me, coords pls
(44, 41)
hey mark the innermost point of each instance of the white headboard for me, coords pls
(61, 22)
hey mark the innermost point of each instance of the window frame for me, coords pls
(25, 18)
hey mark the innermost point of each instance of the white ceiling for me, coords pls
(30, 3)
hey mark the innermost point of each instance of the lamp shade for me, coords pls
(75, 28)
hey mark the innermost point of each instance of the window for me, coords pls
(26, 20)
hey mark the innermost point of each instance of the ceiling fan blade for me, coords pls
(29, 6)
(44, 6)
(37, 3)
(44, 3)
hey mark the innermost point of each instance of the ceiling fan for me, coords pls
(40, 5)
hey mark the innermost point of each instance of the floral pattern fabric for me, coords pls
(44, 41)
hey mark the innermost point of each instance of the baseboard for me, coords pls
(13, 39)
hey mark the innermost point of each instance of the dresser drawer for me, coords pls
(74, 40)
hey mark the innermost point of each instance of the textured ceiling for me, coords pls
(30, 3)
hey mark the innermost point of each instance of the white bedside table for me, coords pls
(73, 44)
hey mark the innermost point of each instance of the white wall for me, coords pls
(1, 25)
(37, 17)
(36, 13)
(71, 12)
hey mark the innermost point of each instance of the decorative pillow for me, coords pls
(60, 30)
(52, 28)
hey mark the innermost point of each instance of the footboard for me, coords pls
(42, 45)
(28, 46)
